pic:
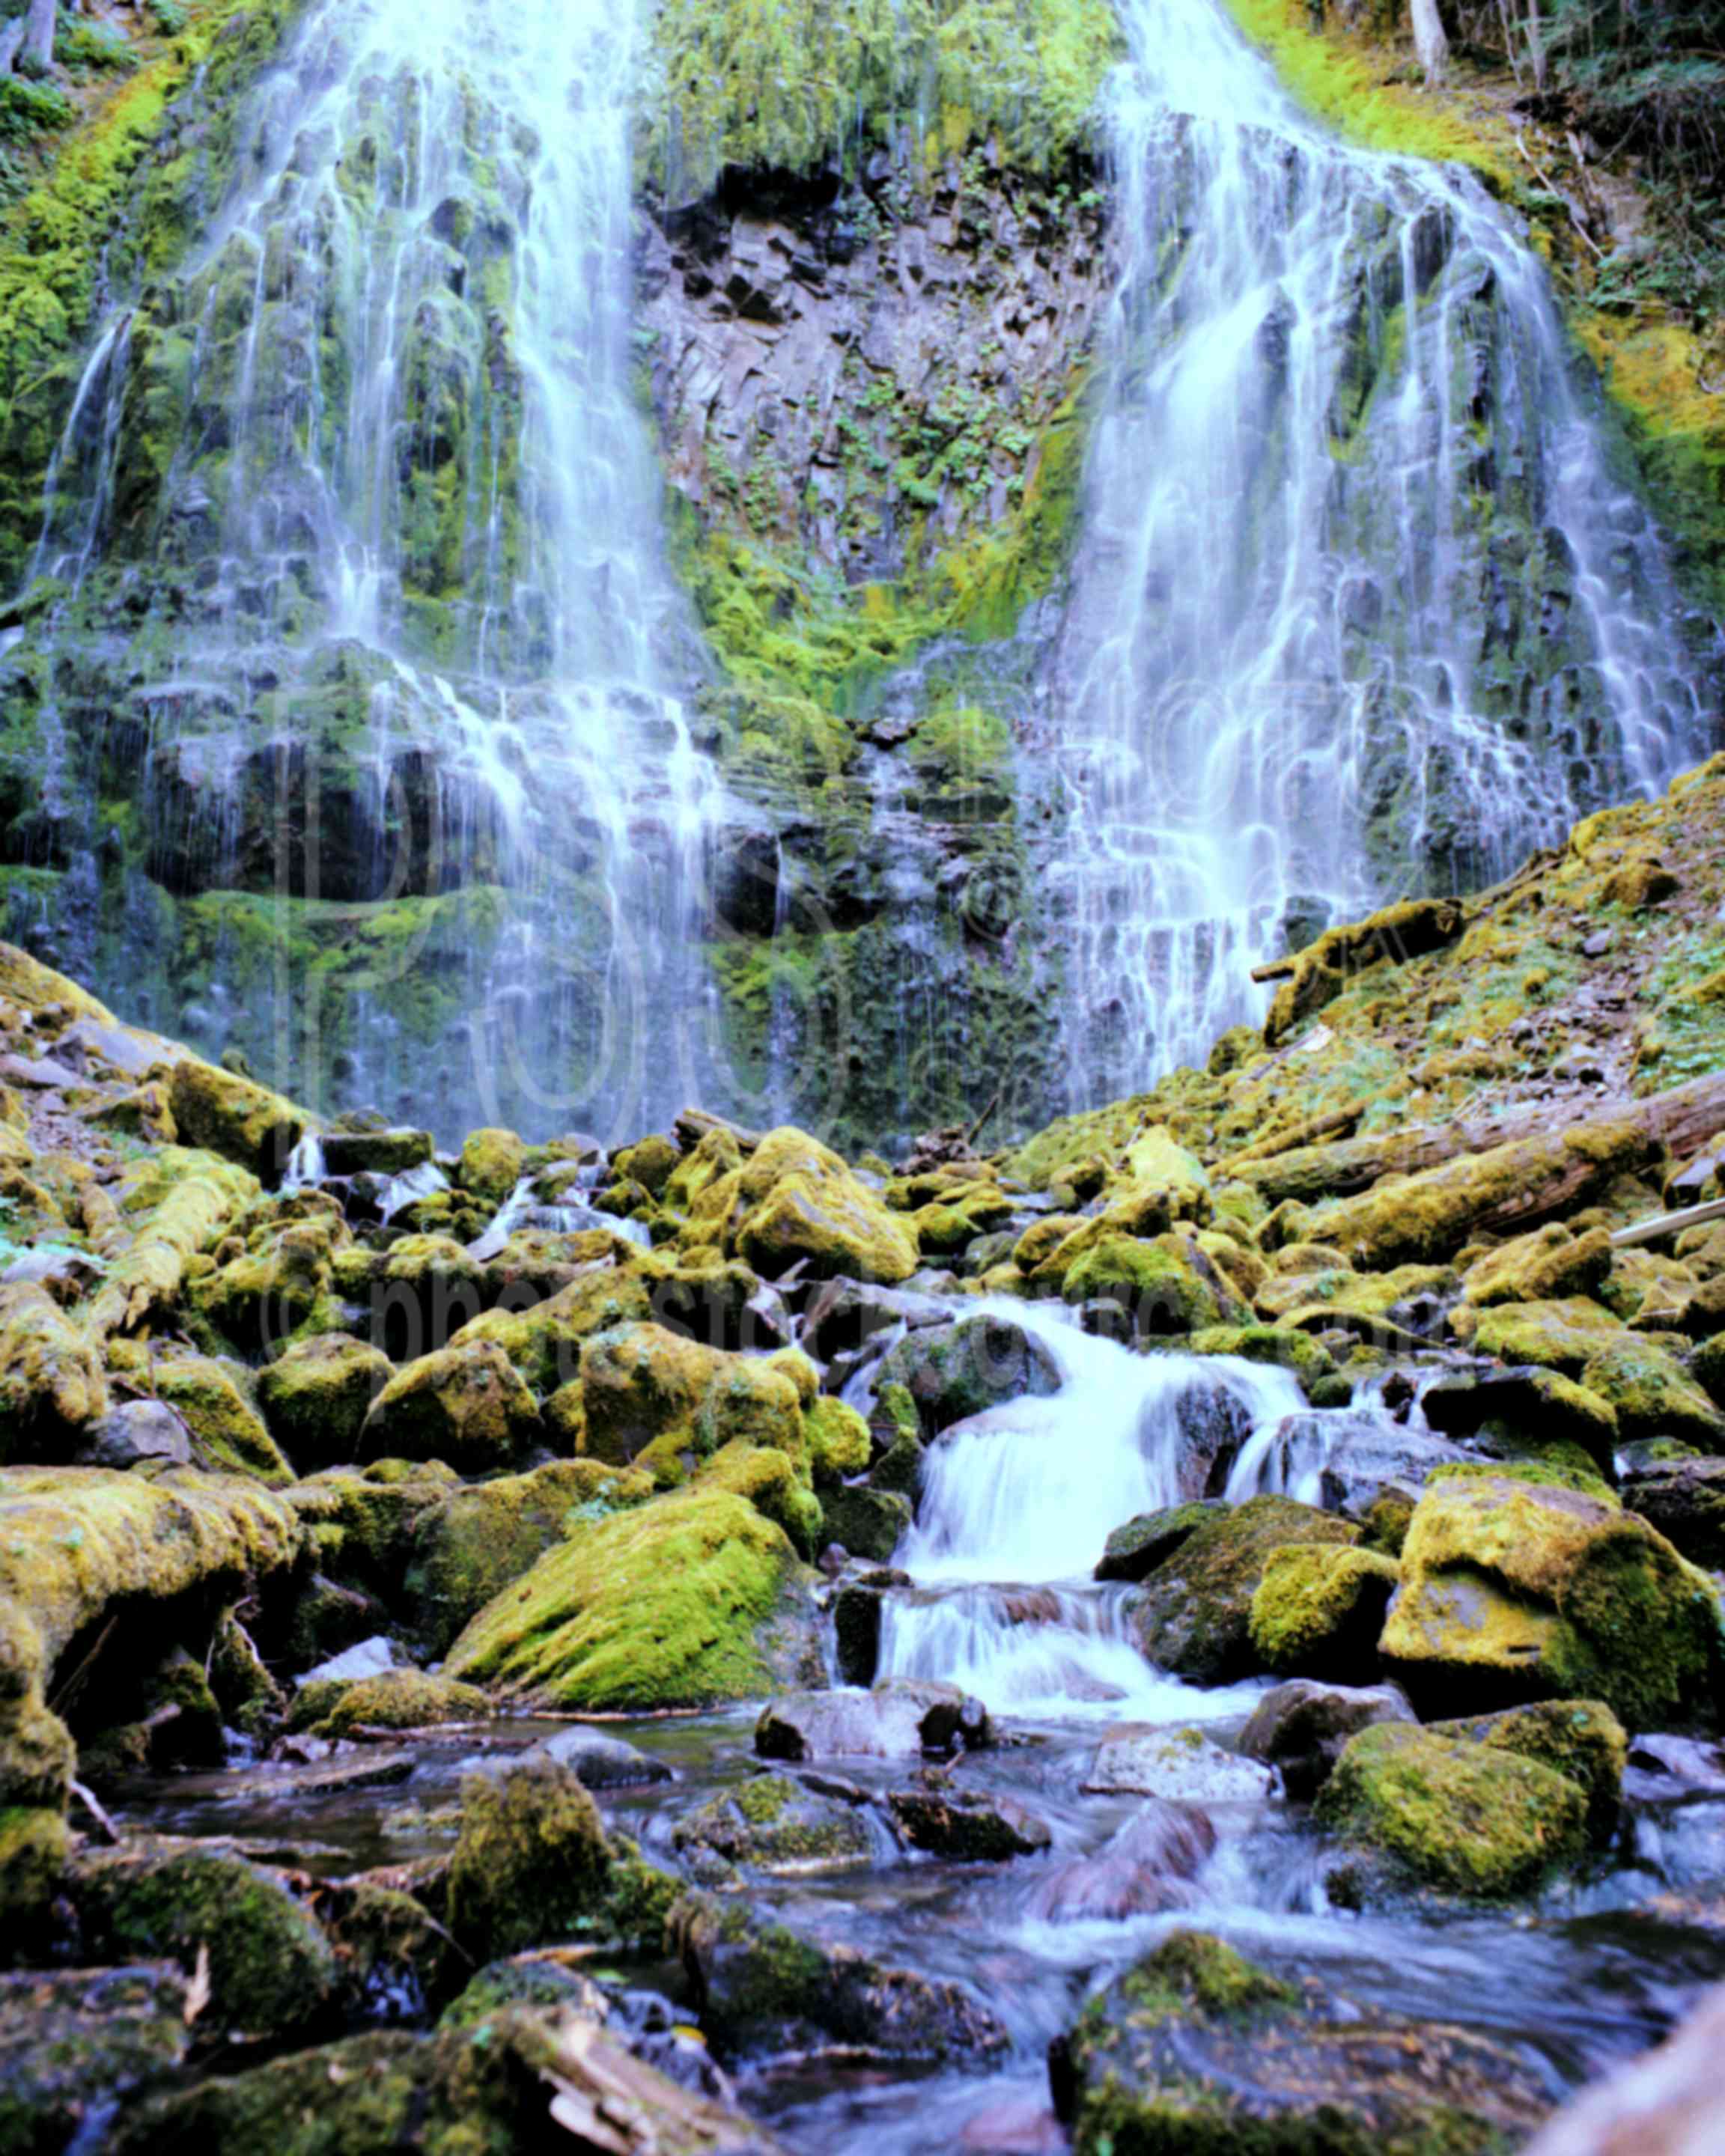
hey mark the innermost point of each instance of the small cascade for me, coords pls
(411, 1188)
(1017, 1505)
(305, 1167)
(1363, 606)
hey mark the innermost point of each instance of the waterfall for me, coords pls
(374, 458)
(1363, 606)
(1017, 1504)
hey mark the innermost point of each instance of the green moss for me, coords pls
(396, 1699)
(773, 1822)
(1579, 1739)
(838, 1440)
(34, 1847)
(661, 1606)
(1469, 1818)
(532, 1864)
(1193, 1971)
(1317, 1612)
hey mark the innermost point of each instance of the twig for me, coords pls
(109, 1831)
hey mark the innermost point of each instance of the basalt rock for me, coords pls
(1301, 1727)
(896, 1721)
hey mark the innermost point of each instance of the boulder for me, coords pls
(1148, 1865)
(869, 1523)
(774, 1824)
(1525, 1409)
(1318, 1610)
(604, 1763)
(759, 1986)
(691, 1600)
(492, 1163)
(1684, 1499)
(838, 1441)
(1546, 1266)
(795, 1203)
(51, 1388)
(1134, 1551)
(1301, 1727)
(388, 1152)
(391, 1699)
(900, 1720)
(967, 1825)
(1562, 1335)
(1469, 1819)
(273, 1972)
(317, 1395)
(1194, 1616)
(1347, 1458)
(953, 1372)
(1579, 1738)
(227, 1434)
(1163, 1288)
(1518, 1588)
(77, 2045)
(532, 1865)
(133, 1433)
(651, 1398)
(1195, 2048)
(224, 1113)
(1180, 1765)
(464, 1405)
(1653, 1395)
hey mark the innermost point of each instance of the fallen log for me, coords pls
(1291, 1135)
(1678, 1120)
(1669, 1224)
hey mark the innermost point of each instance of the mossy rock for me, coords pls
(1653, 1395)
(952, 1373)
(52, 1385)
(1318, 1610)
(317, 1394)
(362, 1520)
(224, 1113)
(1166, 1287)
(1469, 1819)
(272, 1971)
(531, 1864)
(1193, 1616)
(869, 1523)
(1581, 1738)
(466, 1404)
(799, 1204)
(1516, 1587)
(79, 2043)
(1530, 1410)
(652, 1397)
(1134, 1551)
(1198, 2050)
(1562, 1336)
(394, 1699)
(545, 1342)
(771, 1484)
(1548, 1265)
(688, 1601)
(1279, 1346)
(492, 1163)
(774, 1825)
(838, 1441)
(227, 1434)
(35, 1848)
(471, 1544)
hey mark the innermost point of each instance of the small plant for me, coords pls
(85, 49)
(28, 108)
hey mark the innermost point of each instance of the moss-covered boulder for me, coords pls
(224, 1113)
(361, 1521)
(1685, 1499)
(1581, 1738)
(35, 1846)
(1167, 1286)
(1134, 1550)
(394, 1699)
(1546, 1266)
(1469, 1819)
(471, 1543)
(967, 1826)
(758, 1985)
(1652, 1395)
(79, 2043)
(77, 1544)
(284, 1281)
(1517, 1589)
(774, 1824)
(690, 1601)
(1563, 1335)
(227, 1434)
(531, 1864)
(1193, 1617)
(952, 1373)
(272, 1971)
(1524, 1411)
(465, 1404)
(1318, 1610)
(492, 1163)
(867, 1523)
(317, 1394)
(654, 1399)
(1196, 2049)
(52, 1386)
(793, 1202)
(838, 1441)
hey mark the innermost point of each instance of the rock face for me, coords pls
(1197, 2048)
(1525, 1589)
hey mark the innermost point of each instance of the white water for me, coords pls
(1333, 637)
(1016, 1507)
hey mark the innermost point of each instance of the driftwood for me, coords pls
(1679, 1120)
(1290, 1135)
(1669, 1224)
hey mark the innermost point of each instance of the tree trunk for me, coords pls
(1430, 42)
(39, 33)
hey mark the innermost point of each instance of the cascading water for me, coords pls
(1015, 1508)
(411, 658)
(1363, 607)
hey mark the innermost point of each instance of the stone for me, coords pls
(1684, 1499)
(1301, 1727)
(795, 1203)
(76, 2044)
(604, 1763)
(900, 1720)
(1148, 1865)
(393, 1699)
(52, 1386)
(273, 1972)
(1577, 1737)
(1529, 1407)
(1546, 1266)
(1195, 2048)
(967, 1825)
(1469, 1819)
(387, 1152)
(1180, 1765)
(531, 1864)
(691, 1600)
(224, 1113)
(1653, 1395)
(1134, 1551)
(773, 1823)
(759, 1986)
(316, 1396)
(953, 1372)
(651, 1398)
(1318, 1610)
(1516, 1587)
(465, 1405)
(492, 1163)
(1193, 1614)
(869, 1523)
(134, 1432)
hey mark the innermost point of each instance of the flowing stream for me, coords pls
(1364, 604)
